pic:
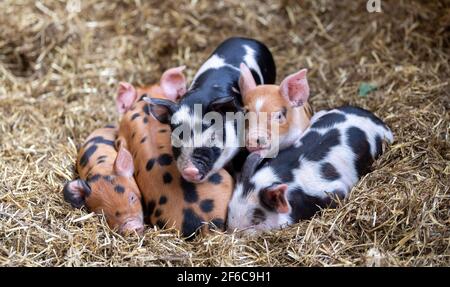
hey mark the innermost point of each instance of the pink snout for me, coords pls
(191, 174)
(131, 226)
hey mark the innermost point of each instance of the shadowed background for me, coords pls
(59, 72)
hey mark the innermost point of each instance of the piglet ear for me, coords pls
(173, 83)
(75, 192)
(126, 96)
(123, 164)
(274, 198)
(246, 80)
(295, 88)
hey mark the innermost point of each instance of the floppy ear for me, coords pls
(161, 109)
(75, 192)
(123, 165)
(173, 83)
(224, 105)
(274, 197)
(295, 88)
(126, 96)
(246, 80)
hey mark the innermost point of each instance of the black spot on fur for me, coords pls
(87, 154)
(259, 216)
(150, 164)
(143, 139)
(167, 178)
(191, 222)
(151, 207)
(207, 205)
(99, 140)
(328, 120)
(102, 157)
(318, 150)
(189, 190)
(217, 223)
(93, 178)
(117, 213)
(215, 178)
(134, 116)
(120, 189)
(357, 140)
(329, 172)
(165, 159)
(378, 146)
(158, 213)
(108, 178)
(204, 158)
(162, 200)
(146, 109)
(362, 113)
(176, 152)
(305, 206)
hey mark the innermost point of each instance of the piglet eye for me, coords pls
(132, 198)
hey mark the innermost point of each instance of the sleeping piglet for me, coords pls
(278, 114)
(106, 184)
(326, 162)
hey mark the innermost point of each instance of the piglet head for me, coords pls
(274, 121)
(116, 195)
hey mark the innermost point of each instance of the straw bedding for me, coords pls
(58, 76)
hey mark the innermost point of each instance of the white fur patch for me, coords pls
(250, 60)
(182, 115)
(264, 177)
(214, 62)
(259, 104)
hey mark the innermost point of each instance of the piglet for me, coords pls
(106, 184)
(323, 165)
(169, 199)
(278, 115)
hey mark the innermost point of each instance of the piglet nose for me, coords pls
(261, 141)
(131, 226)
(191, 173)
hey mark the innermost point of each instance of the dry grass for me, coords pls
(59, 73)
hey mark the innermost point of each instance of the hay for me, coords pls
(58, 76)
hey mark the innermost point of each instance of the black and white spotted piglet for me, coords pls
(335, 151)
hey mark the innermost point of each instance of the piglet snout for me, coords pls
(131, 226)
(258, 142)
(191, 174)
